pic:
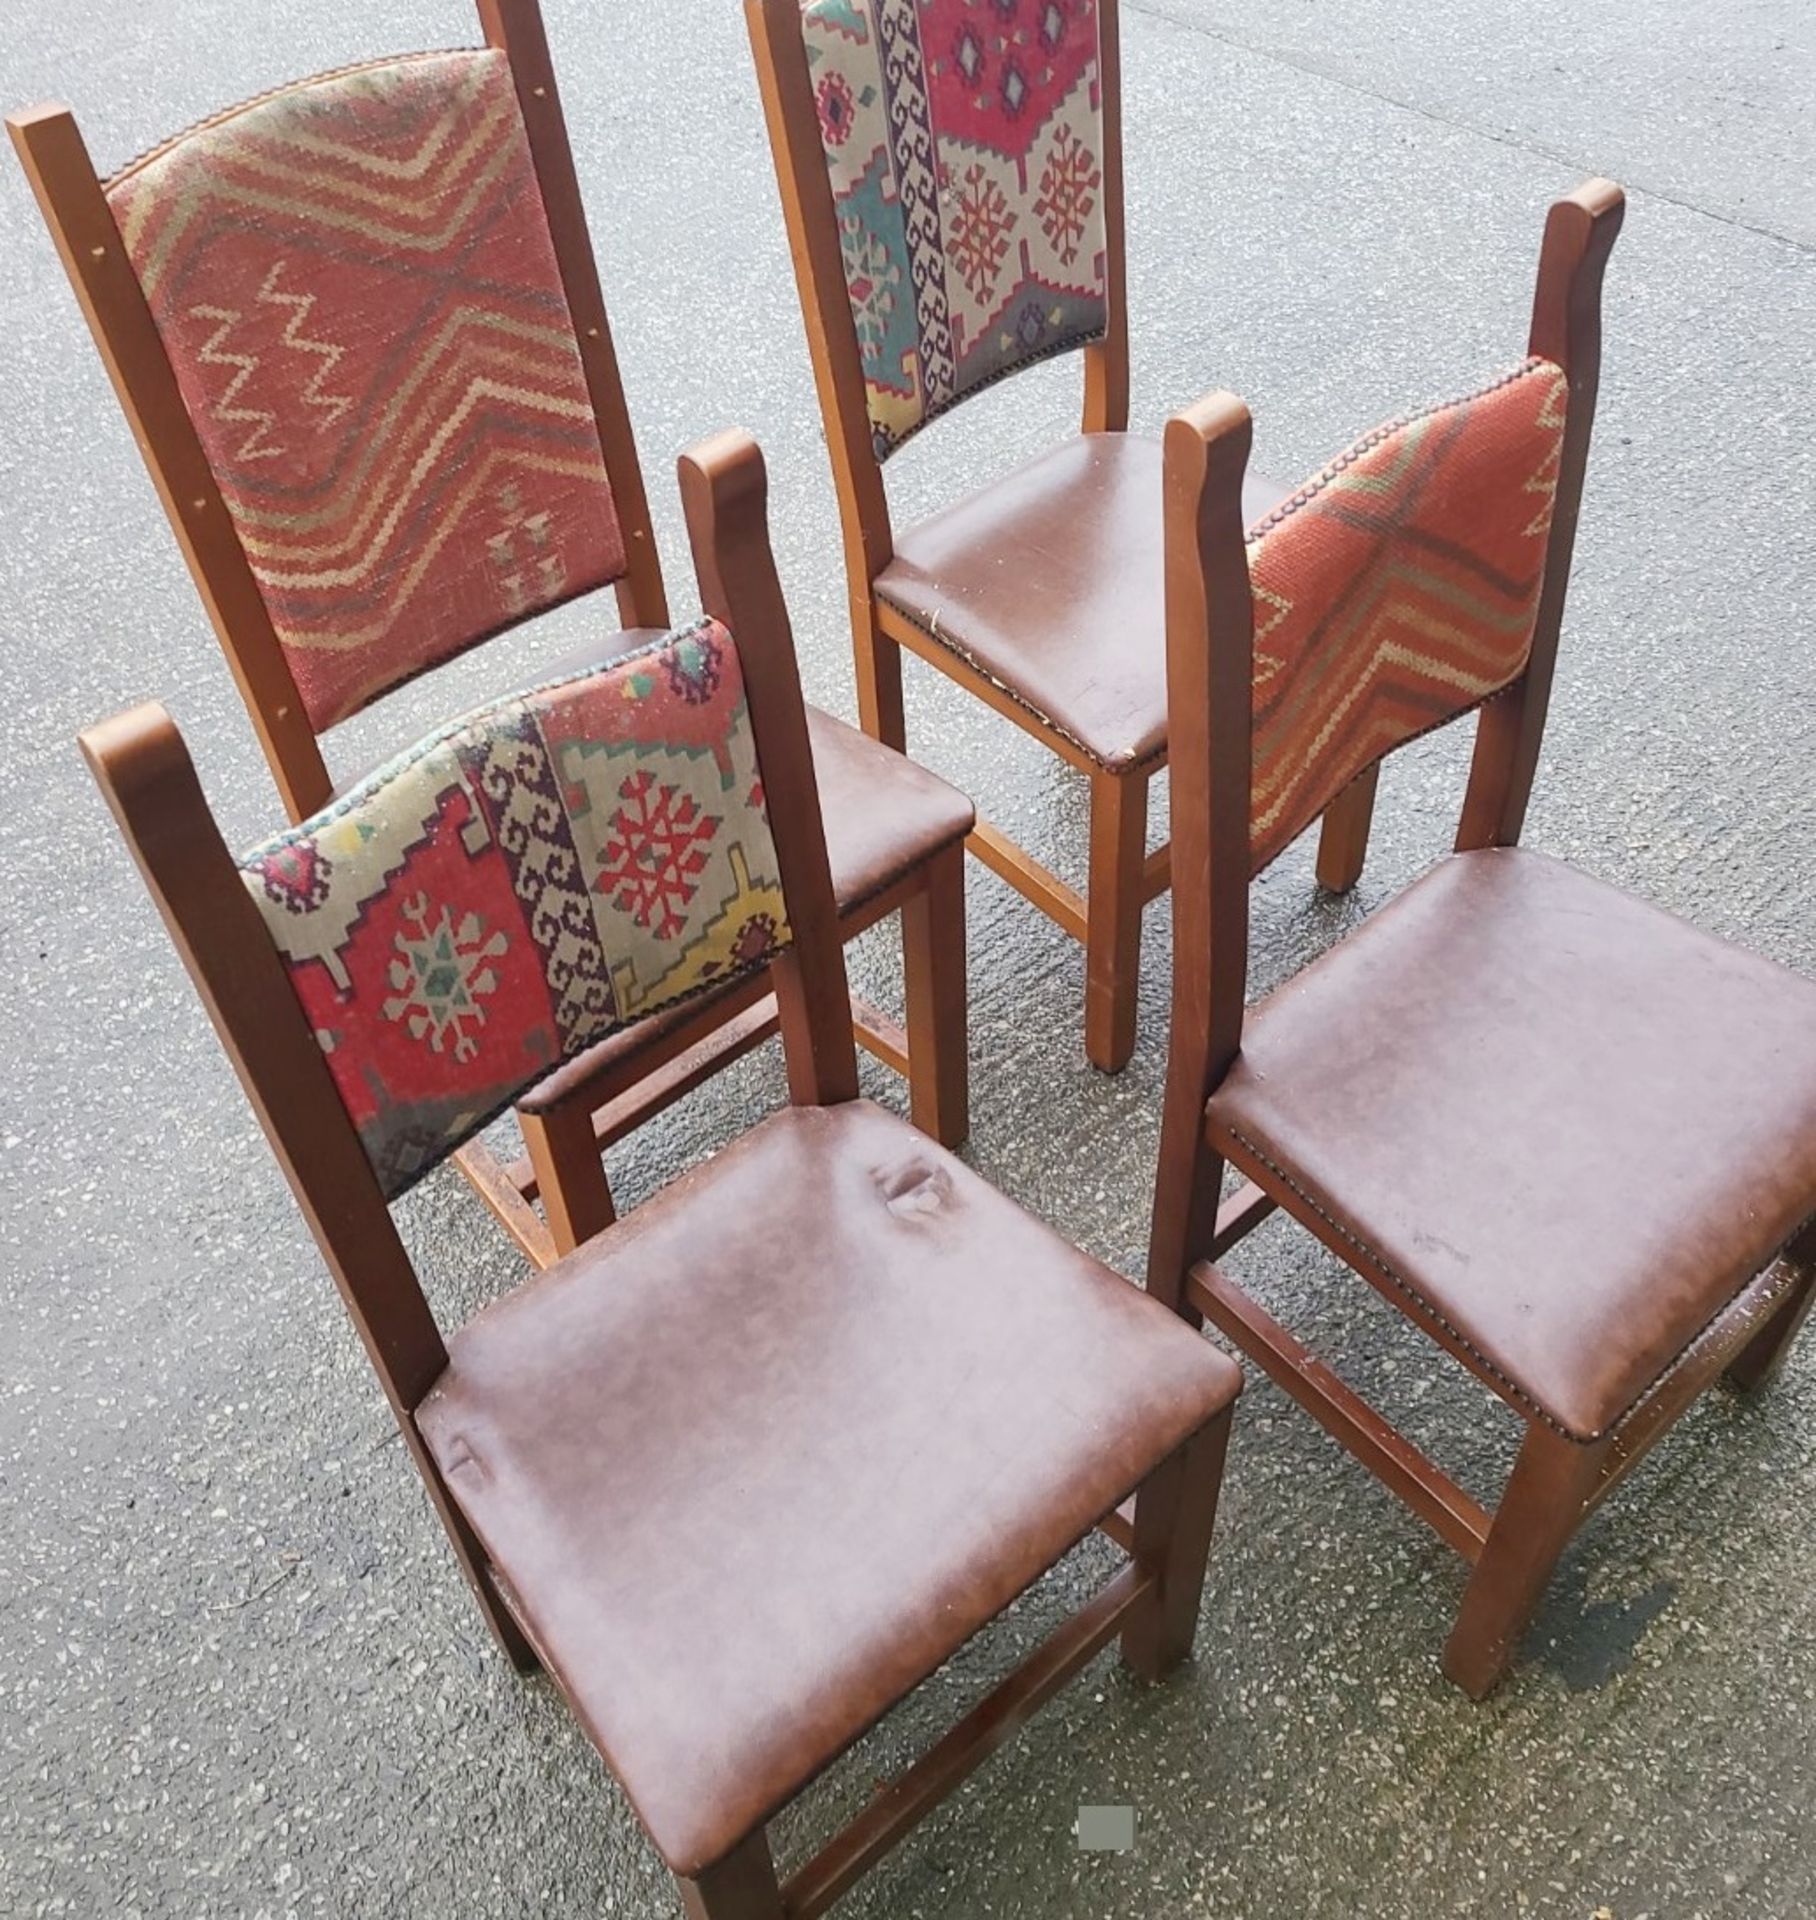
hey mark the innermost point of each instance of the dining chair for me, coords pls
(1570, 1137)
(357, 329)
(746, 1467)
(952, 182)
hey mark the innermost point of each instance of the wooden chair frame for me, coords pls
(71, 197)
(144, 771)
(1123, 877)
(1556, 1481)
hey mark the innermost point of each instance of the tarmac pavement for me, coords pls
(239, 1674)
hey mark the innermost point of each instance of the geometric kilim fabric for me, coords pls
(965, 143)
(354, 283)
(1396, 590)
(519, 884)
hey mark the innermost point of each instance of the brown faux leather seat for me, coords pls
(768, 1454)
(1025, 578)
(884, 815)
(1572, 1127)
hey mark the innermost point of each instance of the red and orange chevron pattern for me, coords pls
(354, 281)
(1396, 590)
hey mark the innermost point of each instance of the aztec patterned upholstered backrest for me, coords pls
(519, 884)
(965, 143)
(1396, 590)
(355, 285)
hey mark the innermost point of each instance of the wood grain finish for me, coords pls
(725, 498)
(144, 772)
(1566, 330)
(1340, 1411)
(1113, 903)
(933, 969)
(1208, 717)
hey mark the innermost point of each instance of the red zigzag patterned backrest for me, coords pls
(513, 888)
(965, 143)
(354, 282)
(1397, 590)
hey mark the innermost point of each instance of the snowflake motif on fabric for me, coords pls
(521, 883)
(656, 853)
(297, 877)
(693, 670)
(874, 278)
(983, 224)
(439, 974)
(837, 109)
(1068, 194)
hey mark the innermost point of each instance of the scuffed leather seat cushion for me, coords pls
(1052, 582)
(884, 813)
(1570, 1125)
(767, 1453)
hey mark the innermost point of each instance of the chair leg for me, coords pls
(933, 979)
(570, 1173)
(1343, 839)
(1119, 840)
(1175, 1515)
(879, 677)
(1188, 1184)
(1764, 1354)
(742, 1886)
(1551, 1485)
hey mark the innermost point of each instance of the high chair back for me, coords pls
(357, 329)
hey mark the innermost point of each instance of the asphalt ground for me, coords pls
(238, 1671)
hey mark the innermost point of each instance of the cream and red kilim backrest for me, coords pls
(965, 143)
(521, 883)
(355, 285)
(1396, 590)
